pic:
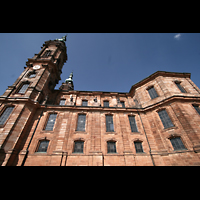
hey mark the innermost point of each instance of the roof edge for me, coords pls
(160, 73)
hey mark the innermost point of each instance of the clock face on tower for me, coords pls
(36, 67)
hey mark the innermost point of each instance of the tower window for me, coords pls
(138, 147)
(177, 143)
(111, 147)
(43, 145)
(46, 54)
(81, 122)
(23, 88)
(109, 123)
(5, 115)
(84, 103)
(78, 146)
(106, 104)
(152, 92)
(62, 102)
(178, 84)
(133, 123)
(122, 103)
(165, 119)
(32, 75)
(51, 122)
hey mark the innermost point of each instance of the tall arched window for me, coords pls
(23, 88)
(177, 143)
(78, 146)
(32, 75)
(111, 147)
(51, 122)
(138, 147)
(167, 123)
(5, 115)
(81, 122)
(43, 145)
(109, 123)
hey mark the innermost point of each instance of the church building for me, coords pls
(156, 123)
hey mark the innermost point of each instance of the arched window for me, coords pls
(81, 122)
(51, 122)
(152, 92)
(138, 147)
(167, 123)
(106, 104)
(46, 54)
(78, 146)
(62, 102)
(84, 102)
(180, 87)
(133, 124)
(177, 143)
(109, 123)
(31, 75)
(5, 115)
(43, 145)
(23, 88)
(111, 147)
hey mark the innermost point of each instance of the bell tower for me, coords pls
(42, 73)
(23, 99)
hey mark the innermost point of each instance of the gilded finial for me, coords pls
(70, 78)
(63, 39)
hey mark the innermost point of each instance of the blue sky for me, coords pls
(105, 61)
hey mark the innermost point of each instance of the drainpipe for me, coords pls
(27, 151)
(146, 138)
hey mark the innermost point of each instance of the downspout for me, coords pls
(146, 138)
(27, 151)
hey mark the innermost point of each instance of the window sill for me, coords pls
(110, 154)
(133, 133)
(40, 153)
(47, 131)
(80, 132)
(167, 129)
(113, 132)
(77, 153)
(180, 150)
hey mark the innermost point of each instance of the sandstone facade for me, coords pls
(23, 130)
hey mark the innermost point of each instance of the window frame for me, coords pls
(82, 147)
(108, 147)
(21, 86)
(196, 107)
(108, 104)
(31, 75)
(84, 102)
(78, 126)
(38, 146)
(177, 141)
(2, 113)
(135, 128)
(180, 87)
(166, 119)
(106, 118)
(152, 92)
(138, 144)
(47, 121)
(123, 104)
(62, 100)
(46, 54)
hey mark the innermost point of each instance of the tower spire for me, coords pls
(63, 39)
(70, 78)
(68, 85)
